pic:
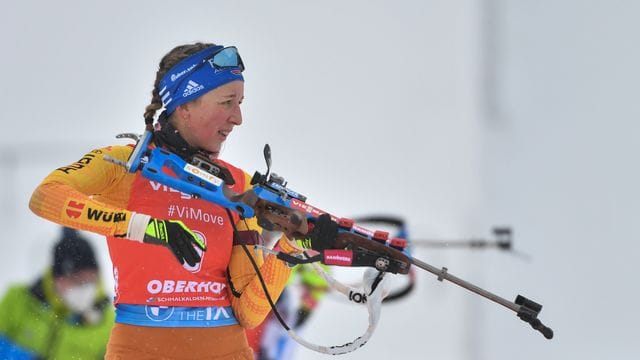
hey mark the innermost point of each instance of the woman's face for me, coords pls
(206, 122)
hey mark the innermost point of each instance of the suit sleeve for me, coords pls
(89, 194)
(250, 304)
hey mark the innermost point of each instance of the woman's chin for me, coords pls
(213, 152)
(212, 149)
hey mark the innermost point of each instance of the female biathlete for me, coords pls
(192, 296)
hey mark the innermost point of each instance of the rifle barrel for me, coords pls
(444, 275)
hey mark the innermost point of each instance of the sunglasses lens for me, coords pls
(228, 57)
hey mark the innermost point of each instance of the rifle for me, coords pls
(502, 240)
(278, 208)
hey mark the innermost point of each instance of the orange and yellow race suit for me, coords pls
(152, 288)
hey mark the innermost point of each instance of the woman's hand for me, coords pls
(322, 236)
(177, 237)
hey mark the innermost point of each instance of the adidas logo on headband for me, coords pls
(192, 88)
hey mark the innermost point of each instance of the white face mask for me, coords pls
(80, 298)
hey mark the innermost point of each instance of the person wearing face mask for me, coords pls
(64, 314)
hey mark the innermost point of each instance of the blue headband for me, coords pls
(193, 77)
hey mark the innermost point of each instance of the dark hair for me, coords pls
(72, 253)
(173, 57)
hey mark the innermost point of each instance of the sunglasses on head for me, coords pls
(226, 58)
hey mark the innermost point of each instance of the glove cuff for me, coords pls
(137, 226)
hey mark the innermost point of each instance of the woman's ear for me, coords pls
(183, 113)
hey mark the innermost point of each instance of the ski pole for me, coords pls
(503, 240)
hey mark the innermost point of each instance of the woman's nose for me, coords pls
(236, 117)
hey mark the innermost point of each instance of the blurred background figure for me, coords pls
(64, 314)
